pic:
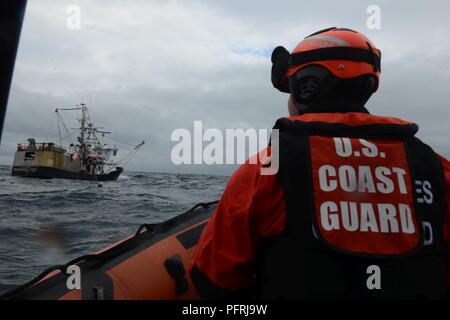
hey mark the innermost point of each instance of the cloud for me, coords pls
(149, 67)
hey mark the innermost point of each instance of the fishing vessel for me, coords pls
(89, 158)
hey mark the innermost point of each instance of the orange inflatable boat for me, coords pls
(152, 264)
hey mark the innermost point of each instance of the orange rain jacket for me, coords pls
(252, 207)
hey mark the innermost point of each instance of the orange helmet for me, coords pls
(343, 52)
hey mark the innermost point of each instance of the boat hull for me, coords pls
(51, 172)
(153, 264)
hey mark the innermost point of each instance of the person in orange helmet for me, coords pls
(358, 207)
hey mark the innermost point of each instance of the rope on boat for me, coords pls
(127, 157)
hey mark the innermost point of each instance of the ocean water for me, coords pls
(48, 222)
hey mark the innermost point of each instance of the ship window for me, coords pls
(29, 155)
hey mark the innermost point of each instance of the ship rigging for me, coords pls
(89, 158)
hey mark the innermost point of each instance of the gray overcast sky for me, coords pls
(149, 67)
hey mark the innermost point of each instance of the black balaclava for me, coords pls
(315, 89)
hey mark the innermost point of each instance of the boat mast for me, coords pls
(83, 122)
(83, 131)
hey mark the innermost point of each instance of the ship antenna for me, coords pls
(115, 134)
(59, 126)
(83, 130)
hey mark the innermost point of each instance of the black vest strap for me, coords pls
(369, 131)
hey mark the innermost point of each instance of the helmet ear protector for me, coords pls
(280, 63)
